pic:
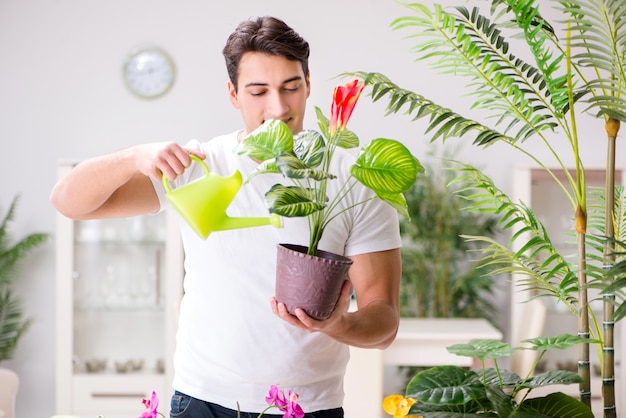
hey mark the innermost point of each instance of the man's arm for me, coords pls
(376, 281)
(118, 184)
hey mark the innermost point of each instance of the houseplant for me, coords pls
(451, 391)
(580, 68)
(385, 166)
(441, 277)
(13, 323)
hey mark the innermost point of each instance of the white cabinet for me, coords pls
(118, 285)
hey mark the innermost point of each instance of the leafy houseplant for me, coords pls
(385, 166)
(531, 99)
(12, 321)
(451, 391)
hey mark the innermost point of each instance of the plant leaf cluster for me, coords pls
(454, 392)
(440, 278)
(385, 166)
(12, 322)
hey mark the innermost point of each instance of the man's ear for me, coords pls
(308, 84)
(232, 95)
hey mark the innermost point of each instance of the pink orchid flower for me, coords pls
(293, 409)
(288, 404)
(276, 397)
(151, 406)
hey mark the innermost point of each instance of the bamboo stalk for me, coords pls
(608, 325)
(583, 309)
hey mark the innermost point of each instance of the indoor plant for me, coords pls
(450, 391)
(440, 276)
(13, 324)
(385, 166)
(531, 100)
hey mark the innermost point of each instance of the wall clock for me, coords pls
(149, 72)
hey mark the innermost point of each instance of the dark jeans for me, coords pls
(184, 406)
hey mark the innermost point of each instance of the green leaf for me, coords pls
(322, 122)
(267, 141)
(291, 201)
(345, 138)
(482, 349)
(446, 385)
(12, 323)
(309, 146)
(292, 167)
(560, 342)
(386, 166)
(396, 201)
(557, 405)
(558, 377)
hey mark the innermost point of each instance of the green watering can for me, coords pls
(202, 203)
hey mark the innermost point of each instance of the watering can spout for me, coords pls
(202, 203)
(235, 223)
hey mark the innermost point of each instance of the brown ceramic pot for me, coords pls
(312, 283)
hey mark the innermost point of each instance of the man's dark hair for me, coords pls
(268, 35)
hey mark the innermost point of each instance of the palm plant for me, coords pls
(581, 69)
(12, 321)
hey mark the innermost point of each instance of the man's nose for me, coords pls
(276, 106)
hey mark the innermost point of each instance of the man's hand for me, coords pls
(303, 321)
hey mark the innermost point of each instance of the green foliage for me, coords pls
(12, 321)
(385, 166)
(440, 279)
(579, 66)
(453, 392)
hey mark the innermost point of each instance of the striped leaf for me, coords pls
(386, 166)
(291, 201)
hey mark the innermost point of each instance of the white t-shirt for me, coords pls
(230, 346)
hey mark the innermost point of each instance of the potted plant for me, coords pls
(385, 166)
(451, 391)
(531, 100)
(13, 323)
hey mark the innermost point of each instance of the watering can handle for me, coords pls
(166, 182)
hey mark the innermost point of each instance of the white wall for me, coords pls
(62, 96)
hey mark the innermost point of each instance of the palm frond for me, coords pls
(549, 62)
(12, 324)
(540, 266)
(444, 122)
(469, 44)
(11, 252)
(598, 41)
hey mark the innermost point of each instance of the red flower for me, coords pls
(344, 100)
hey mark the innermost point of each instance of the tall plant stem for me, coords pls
(608, 363)
(583, 317)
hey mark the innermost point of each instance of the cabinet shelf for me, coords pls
(118, 286)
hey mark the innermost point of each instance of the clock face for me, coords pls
(149, 72)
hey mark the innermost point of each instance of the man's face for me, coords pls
(270, 87)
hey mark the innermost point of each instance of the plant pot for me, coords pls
(312, 283)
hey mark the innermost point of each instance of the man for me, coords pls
(232, 346)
